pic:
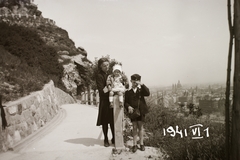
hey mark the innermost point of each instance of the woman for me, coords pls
(105, 113)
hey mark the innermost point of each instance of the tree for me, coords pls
(94, 69)
(233, 128)
(235, 138)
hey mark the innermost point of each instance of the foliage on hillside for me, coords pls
(17, 79)
(12, 2)
(160, 118)
(58, 38)
(94, 69)
(28, 62)
(86, 74)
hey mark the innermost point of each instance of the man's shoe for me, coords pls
(106, 144)
(134, 148)
(142, 148)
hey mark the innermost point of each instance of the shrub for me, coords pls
(211, 147)
(17, 78)
(27, 61)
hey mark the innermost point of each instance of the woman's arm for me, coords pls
(109, 82)
(100, 84)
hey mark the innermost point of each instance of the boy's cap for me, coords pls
(117, 67)
(136, 77)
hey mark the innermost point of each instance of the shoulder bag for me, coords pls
(136, 112)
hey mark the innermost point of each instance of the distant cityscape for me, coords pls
(209, 98)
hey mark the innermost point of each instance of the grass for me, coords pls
(175, 146)
(212, 147)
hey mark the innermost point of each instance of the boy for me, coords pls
(134, 98)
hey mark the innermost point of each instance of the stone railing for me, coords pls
(30, 113)
(90, 97)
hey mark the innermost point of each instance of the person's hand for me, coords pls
(138, 83)
(130, 109)
(105, 89)
(109, 88)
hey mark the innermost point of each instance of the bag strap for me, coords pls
(139, 98)
(138, 103)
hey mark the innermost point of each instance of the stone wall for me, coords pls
(28, 114)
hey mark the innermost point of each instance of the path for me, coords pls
(72, 136)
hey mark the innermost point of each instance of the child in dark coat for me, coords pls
(134, 98)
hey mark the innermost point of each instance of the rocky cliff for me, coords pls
(73, 59)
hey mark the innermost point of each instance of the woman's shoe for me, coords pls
(106, 143)
(142, 148)
(111, 105)
(134, 148)
(113, 141)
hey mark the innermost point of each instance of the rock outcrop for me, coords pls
(19, 7)
(25, 13)
(71, 77)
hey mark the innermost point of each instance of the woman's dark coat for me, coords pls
(105, 113)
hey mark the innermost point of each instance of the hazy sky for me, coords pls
(162, 40)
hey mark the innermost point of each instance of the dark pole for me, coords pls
(227, 106)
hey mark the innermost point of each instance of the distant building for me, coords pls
(179, 86)
(196, 89)
(208, 106)
(182, 99)
(176, 87)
